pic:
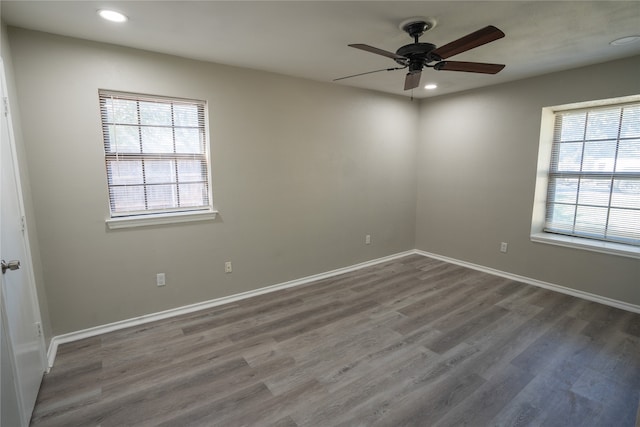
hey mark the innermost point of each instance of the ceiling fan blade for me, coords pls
(369, 72)
(470, 41)
(412, 80)
(377, 51)
(469, 67)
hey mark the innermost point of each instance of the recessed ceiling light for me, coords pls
(431, 86)
(112, 15)
(624, 40)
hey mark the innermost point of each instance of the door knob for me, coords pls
(11, 265)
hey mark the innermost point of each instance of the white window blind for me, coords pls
(156, 154)
(594, 176)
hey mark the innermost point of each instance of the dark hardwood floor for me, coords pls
(413, 342)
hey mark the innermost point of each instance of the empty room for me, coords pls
(320, 213)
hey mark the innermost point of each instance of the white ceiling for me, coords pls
(309, 39)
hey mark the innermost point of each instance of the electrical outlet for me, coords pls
(227, 267)
(367, 239)
(503, 247)
(160, 279)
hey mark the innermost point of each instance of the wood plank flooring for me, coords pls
(413, 342)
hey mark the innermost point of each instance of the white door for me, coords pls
(20, 320)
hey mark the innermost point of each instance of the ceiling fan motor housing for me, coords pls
(416, 53)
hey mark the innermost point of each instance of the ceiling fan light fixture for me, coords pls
(112, 15)
(431, 86)
(624, 40)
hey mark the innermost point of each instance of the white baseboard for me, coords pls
(98, 330)
(147, 318)
(535, 282)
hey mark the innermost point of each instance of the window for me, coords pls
(156, 155)
(593, 180)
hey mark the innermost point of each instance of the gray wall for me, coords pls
(477, 162)
(301, 172)
(5, 53)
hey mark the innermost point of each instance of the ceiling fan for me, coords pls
(416, 55)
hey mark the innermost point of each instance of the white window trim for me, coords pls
(160, 219)
(587, 244)
(540, 198)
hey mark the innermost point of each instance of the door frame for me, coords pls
(27, 263)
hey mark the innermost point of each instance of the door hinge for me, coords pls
(5, 103)
(39, 328)
(23, 223)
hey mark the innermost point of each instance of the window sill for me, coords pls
(160, 219)
(586, 244)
